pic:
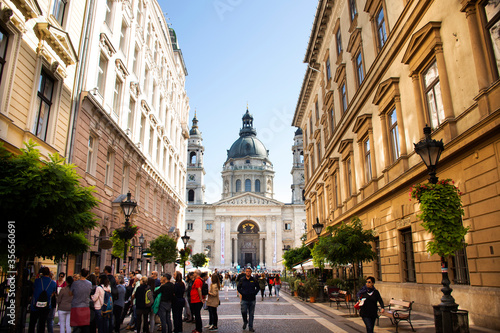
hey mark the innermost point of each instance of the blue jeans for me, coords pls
(164, 313)
(369, 323)
(277, 290)
(248, 306)
(50, 320)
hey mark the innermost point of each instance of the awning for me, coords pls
(308, 264)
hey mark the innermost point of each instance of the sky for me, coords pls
(238, 52)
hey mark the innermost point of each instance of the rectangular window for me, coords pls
(311, 125)
(353, 9)
(130, 116)
(368, 160)
(135, 63)
(123, 37)
(460, 267)
(142, 129)
(318, 148)
(381, 30)
(108, 7)
(288, 226)
(108, 177)
(349, 176)
(151, 138)
(4, 41)
(209, 226)
(189, 226)
(338, 38)
(146, 197)
(138, 189)
(332, 119)
(316, 108)
(335, 191)
(58, 10)
(359, 68)
(158, 155)
(393, 132)
(378, 260)
(492, 12)
(90, 154)
(43, 105)
(117, 93)
(101, 74)
(433, 95)
(328, 70)
(125, 178)
(408, 257)
(343, 95)
(155, 194)
(165, 156)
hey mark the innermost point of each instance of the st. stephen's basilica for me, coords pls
(247, 226)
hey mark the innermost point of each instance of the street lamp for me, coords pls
(318, 227)
(128, 207)
(185, 240)
(430, 152)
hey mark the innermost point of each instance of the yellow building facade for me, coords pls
(378, 72)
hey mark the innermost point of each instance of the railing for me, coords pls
(248, 167)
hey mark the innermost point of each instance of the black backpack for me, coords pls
(204, 289)
(43, 299)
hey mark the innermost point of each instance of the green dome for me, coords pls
(247, 145)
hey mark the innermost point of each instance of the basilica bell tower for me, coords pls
(195, 187)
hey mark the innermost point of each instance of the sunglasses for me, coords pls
(369, 282)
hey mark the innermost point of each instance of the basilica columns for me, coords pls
(234, 251)
(261, 251)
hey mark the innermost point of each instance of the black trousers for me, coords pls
(38, 318)
(262, 292)
(142, 315)
(177, 317)
(212, 312)
(196, 311)
(117, 313)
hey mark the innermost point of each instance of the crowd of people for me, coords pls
(101, 301)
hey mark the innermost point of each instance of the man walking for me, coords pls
(248, 287)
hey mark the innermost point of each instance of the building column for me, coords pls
(261, 251)
(418, 101)
(233, 251)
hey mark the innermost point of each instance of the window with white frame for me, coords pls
(189, 226)
(158, 155)
(288, 226)
(44, 103)
(4, 42)
(101, 74)
(58, 10)
(393, 133)
(135, 62)
(209, 226)
(117, 95)
(138, 188)
(91, 154)
(433, 95)
(151, 140)
(142, 131)
(123, 37)
(109, 8)
(130, 116)
(125, 177)
(110, 161)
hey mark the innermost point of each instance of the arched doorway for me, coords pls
(248, 241)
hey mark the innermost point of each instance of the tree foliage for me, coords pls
(346, 243)
(184, 255)
(296, 255)
(441, 213)
(199, 260)
(164, 249)
(47, 202)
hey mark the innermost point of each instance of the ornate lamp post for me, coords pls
(185, 240)
(128, 206)
(430, 151)
(318, 227)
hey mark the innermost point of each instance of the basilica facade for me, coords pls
(247, 226)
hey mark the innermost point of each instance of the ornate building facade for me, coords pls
(378, 72)
(247, 226)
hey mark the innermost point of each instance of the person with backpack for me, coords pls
(103, 305)
(213, 302)
(44, 288)
(143, 304)
(262, 285)
(166, 294)
(152, 314)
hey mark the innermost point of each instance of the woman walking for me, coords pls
(368, 310)
(262, 285)
(270, 283)
(179, 288)
(64, 299)
(213, 302)
(227, 282)
(277, 286)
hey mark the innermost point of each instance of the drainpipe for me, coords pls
(81, 75)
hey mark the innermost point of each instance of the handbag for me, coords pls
(359, 303)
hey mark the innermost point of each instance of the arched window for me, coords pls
(257, 185)
(192, 158)
(191, 196)
(303, 195)
(248, 185)
(301, 157)
(238, 185)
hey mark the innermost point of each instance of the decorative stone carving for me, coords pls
(403, 222)
(106, 44)
(135, 89)
(121, 69)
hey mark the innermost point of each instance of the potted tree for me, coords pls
(312, 285)
(297, 286)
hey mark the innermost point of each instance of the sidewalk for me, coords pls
(422, 322)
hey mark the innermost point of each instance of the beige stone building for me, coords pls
(378, 72)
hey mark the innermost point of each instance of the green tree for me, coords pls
(199, 259)
(51, 211)
(296, 255)
(164, 249)
(346, 243)
(184, 256)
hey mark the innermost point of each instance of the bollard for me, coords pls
(460, 320)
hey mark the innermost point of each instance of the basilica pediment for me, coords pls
(249, 199)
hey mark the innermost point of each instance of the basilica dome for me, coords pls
(247, 145)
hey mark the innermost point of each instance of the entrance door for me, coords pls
(248, 259)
